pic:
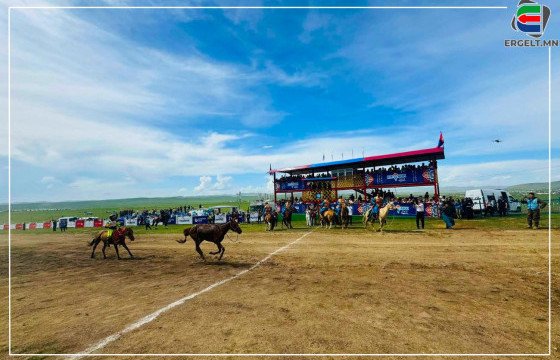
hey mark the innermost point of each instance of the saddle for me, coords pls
(116, 236)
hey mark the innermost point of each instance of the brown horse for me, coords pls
(210, 232)
(270, 220)
(117, 238)
(382, 216)
(327, 218)
(344, 216)
(287, 217)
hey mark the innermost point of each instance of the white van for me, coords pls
(70, 221)
(481, 197)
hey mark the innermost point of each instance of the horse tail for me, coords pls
(93, 240)
(186, 232)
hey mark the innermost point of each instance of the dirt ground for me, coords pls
(463, 291)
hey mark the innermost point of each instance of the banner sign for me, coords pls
(12, 226)
(184, 220)
(88, 223)
(71, 224)
(6, 227)
(39, 225)
(410, 176)
(240, 218)
(200, 220)
(131, 222)
(47, 225)
(220, 218)
(19, 226)
(97, 223)
(80, 223)
(402, 209)
(32, 226)
(254, 216)
(294, 185)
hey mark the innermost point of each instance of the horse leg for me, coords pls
(94, 246)
(223, 251)
(104, 247)
(199, 251)
(129, 253)
(117, 250)
(216, 252)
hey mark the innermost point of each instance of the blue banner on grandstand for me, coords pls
(172, 220)
(410, 176)
(292, 185)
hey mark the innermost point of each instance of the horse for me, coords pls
(270, 220)
(287, 217)
(117, 238)
(163, 217)
(382, 216)
(210, 232)
(328, 218)
(344, 216)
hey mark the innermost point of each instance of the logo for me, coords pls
(530, 18)
(397, 177)
(428, 175)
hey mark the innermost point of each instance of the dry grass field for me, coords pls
(465, 291)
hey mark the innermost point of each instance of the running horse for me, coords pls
(382, 216)
(117, 238)
(210, 232)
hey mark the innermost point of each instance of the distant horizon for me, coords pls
(280, 196)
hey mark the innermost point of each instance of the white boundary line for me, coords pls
(149, 318)
(549, 201)
(154, 315)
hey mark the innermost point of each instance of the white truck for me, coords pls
(481, 197)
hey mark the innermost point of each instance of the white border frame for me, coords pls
(276, 355)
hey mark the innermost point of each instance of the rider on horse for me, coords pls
(112, 225)
(376, 203)
(325, 205)
(338, 207)
(267, 209)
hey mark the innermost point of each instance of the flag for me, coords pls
(440, 142)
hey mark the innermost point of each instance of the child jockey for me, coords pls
(111, 226)
(325, 205)
(376, 203)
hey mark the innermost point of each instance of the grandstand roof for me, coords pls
(368, 161)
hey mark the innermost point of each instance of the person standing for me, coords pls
(54, 222)
(534, 206)
(420, 211)
(448, 214)
(502, 206)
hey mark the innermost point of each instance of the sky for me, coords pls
(117, 103)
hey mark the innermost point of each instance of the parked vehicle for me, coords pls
(482, 197)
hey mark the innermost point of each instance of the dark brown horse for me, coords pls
(287, 217)
(344, 216)
(117, 238)
(210, 232)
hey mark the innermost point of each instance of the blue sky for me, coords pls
(147, 102)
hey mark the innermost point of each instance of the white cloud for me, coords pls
(204, 182)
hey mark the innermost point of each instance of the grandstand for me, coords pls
(317, 182)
